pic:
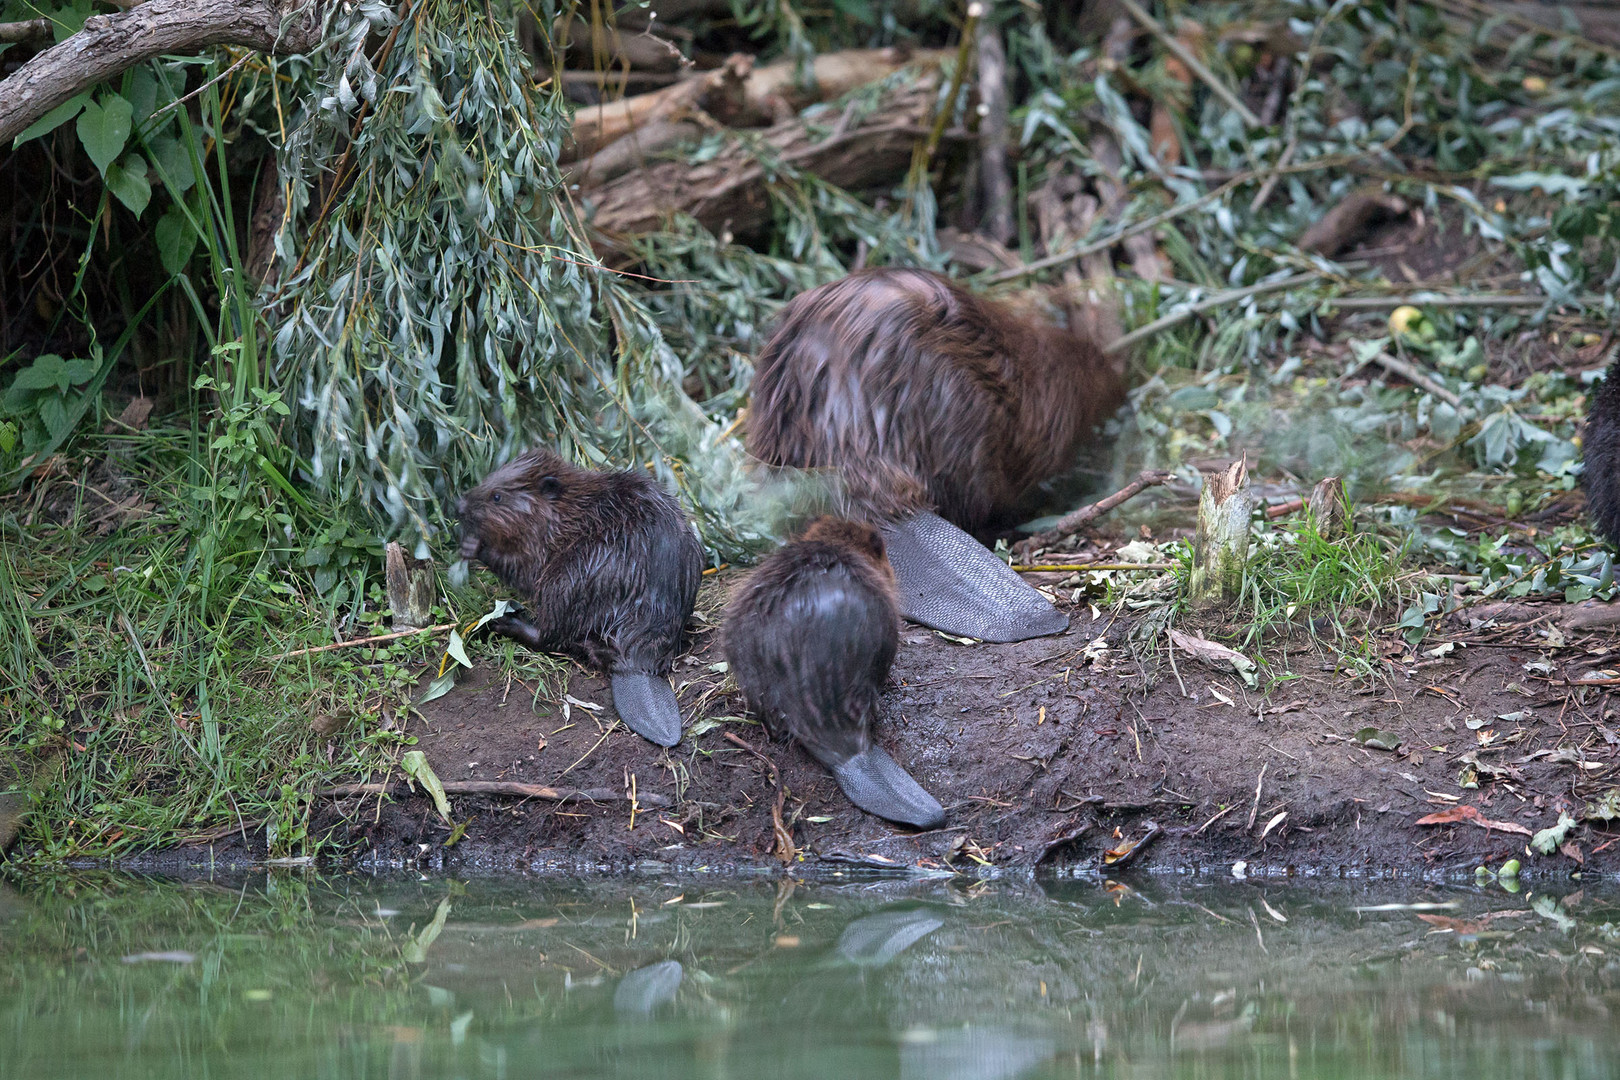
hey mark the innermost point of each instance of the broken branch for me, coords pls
(1073, 522)
(1196, 66)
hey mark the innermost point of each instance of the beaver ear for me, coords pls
(549, 486)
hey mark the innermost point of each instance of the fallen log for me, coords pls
(740, 95)
(732, 189)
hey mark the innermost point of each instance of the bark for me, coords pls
(29, 30)
(1221, 543)
(1330, 508)
(109, 44)
(997, 222)
(411, 588)
(741, 95)
(732, 190)
(631, 152)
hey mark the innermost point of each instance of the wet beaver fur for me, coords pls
(606, 565)
(810, 637)
(938, 410)
(1601, 442)
(924, 396)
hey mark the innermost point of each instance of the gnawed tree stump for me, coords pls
(1329, 508)
(410, 588)
(1221, 544)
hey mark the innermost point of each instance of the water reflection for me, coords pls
(644, 989)
(422, 979)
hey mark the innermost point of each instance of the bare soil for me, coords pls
(1047, 753)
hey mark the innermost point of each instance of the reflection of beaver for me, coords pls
(1601, 442)
(929, 399)
(810, 637)
(607, 566)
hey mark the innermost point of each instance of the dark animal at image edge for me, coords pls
(1601, 442)
(607, 567)
(938, 410)
(810, 637)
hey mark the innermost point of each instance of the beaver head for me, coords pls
(854, 535)
(506, 520)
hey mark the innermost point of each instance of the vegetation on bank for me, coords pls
(218, 405)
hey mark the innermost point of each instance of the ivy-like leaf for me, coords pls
(176, 239)
(53, 119)
(103, 128)
(126, 178)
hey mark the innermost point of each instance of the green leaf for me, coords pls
(1374, 739)
(104, 129)
(457, 649)
(126, 179)
(45, 373)
(53, 119)
(415, 764)
(173, 162)
(1547, 840)
(79, 372)
(53, 415)
(438, 687)
(8, 436)
(176, 239)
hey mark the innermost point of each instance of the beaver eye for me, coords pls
(495, 497)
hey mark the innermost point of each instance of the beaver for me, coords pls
(1601, 476)
(607, 566)
(810, 636)
(939, 410)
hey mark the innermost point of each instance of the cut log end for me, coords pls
(1329, 509)
(411, 588)
(1221, 543)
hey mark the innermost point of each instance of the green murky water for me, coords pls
(294, 976)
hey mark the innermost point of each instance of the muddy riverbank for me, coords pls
(1048, 754)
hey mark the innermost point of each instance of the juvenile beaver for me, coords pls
(605, 563)
(931, 403)
(810, 636)
(1601, 476)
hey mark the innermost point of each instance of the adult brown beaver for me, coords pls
(939, 410)
(607, 567)
(810, 637)
(1601, 450)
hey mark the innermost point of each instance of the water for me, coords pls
(352, 977)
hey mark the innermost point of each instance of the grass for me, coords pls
(141, 622)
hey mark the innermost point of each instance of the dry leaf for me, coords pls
(1454, 815)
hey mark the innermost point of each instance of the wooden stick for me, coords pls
(1073, 522)
(1196, 66)
(1412, 375)
(784, 839)
(1220, 299)
(365, 641)
(502, 787)
(1283, 509)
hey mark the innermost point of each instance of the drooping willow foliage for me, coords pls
(439, 308)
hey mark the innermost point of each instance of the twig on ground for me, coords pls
(364, 641)
(1196, 66)
(1220, 299)
(503, 787)
(1275, 176)
(1073, 522)
(1283, 509)
(784, 839)
(1411, 374)
(1259, 782)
